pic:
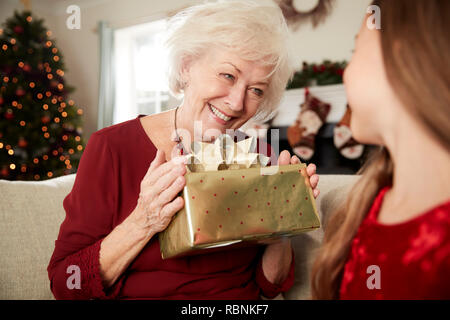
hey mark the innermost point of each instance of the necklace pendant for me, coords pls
(180, 147)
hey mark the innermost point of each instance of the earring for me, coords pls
(184, 84)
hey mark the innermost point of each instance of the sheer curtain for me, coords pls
(106, 85)
(133, 72)
(140, 68)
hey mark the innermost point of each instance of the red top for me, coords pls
(105, 192)
(409, 260)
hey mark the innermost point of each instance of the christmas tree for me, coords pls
(40, 129)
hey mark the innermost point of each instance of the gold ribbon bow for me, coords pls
(225, 154)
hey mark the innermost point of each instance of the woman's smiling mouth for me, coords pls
(219, 115)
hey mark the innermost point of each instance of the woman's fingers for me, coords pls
(313, 178)
(314, 181)
(170, 209)
(169, 193)
(164, 169)
(311, 169)
(284, 158)
(295, 160)
(160, 158)
(316, 193)
(166, 180)
(160, 185)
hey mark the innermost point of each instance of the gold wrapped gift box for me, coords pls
(234, 207)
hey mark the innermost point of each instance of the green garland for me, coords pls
(323, 74)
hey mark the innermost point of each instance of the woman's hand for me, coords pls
(285, 158)
(158, 200)
(157, 204)
(277, 256)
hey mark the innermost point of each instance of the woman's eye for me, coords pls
(228, 76)
(258, 92)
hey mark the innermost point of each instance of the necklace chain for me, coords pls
(178, 139)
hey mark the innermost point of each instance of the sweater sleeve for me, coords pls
(271, 290)
(73, 270)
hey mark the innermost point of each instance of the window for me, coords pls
(140, 71)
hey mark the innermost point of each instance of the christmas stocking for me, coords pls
(301, 135)
(343, 138)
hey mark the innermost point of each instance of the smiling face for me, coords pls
(223, 91)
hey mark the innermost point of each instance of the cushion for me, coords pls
(333, 191)
(30, 215)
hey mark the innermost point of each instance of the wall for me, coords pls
(331, 40)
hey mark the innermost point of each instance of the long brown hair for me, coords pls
(415, 47)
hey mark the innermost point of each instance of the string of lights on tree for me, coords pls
(40, 128)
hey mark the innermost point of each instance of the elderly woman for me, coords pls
(230, 62)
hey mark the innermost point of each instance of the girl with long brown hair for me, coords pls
(391, 238)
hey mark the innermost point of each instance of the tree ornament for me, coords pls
(45, 119)
(4, 172)
(22, 143)
(9, 115)
(20, 92)
(18, 29)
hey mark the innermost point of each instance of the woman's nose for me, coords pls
(235, 98)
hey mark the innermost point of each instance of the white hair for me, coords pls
(255, 32)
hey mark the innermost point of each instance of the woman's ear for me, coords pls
(186, 64)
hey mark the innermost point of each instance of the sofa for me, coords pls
(32, 211)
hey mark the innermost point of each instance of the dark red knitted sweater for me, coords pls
(105, 192)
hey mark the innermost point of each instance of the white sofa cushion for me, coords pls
(333, 191)
(30, 216)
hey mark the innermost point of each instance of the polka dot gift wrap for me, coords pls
(234, 207)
